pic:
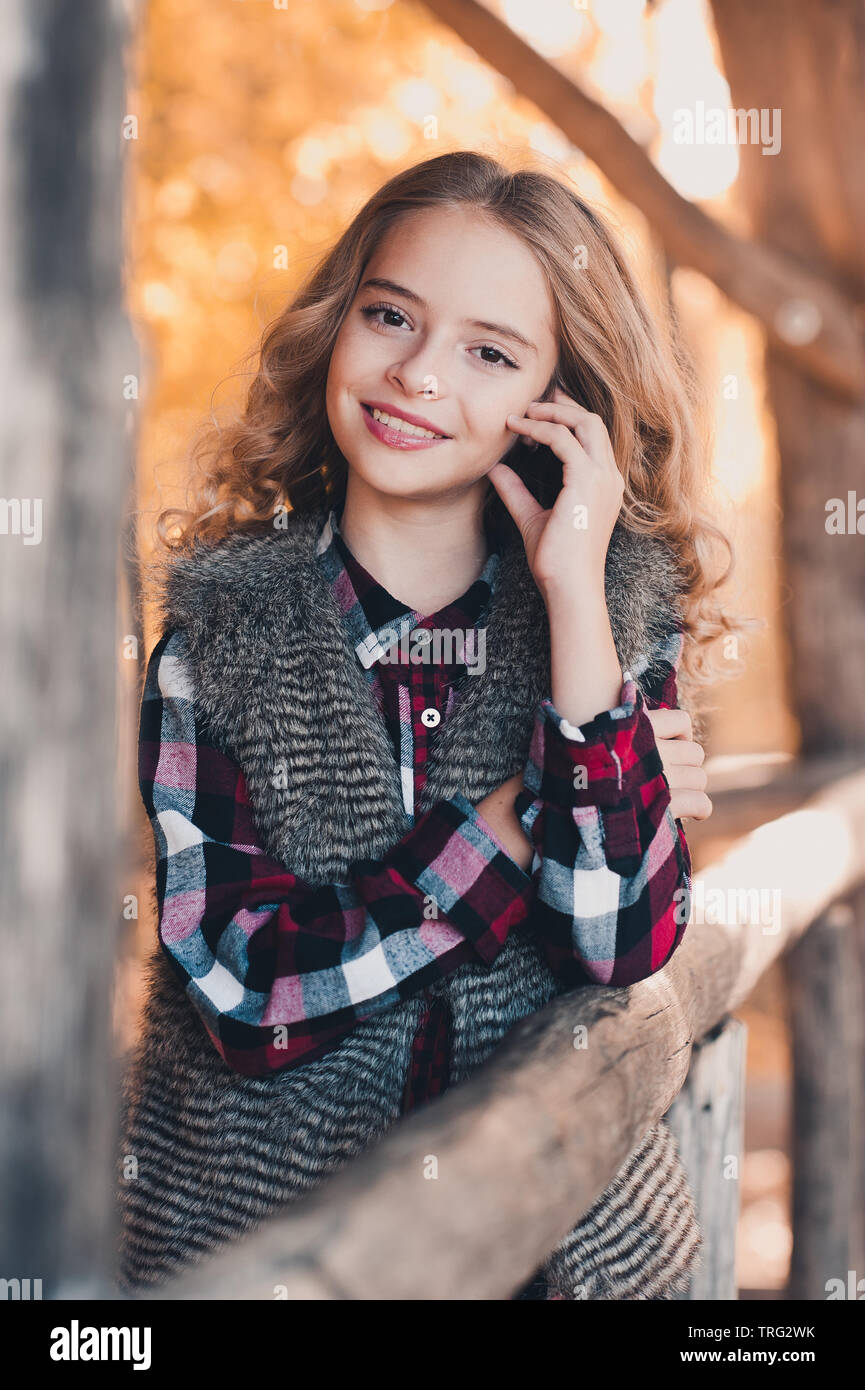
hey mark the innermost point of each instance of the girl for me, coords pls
(410, 740)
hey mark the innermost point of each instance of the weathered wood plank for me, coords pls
(827, 1018)
(708, 1119)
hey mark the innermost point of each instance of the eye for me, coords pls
(371, 312)
(505, 362)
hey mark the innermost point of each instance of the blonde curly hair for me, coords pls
(615, 357)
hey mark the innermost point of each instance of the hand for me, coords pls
(497, 809)
(682, 762)
(567, 544)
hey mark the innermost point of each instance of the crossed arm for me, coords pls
(279, 969)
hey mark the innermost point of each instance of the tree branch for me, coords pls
(806, 319)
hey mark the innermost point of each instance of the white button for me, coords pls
(430, 717)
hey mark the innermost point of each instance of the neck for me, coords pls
(426, 553)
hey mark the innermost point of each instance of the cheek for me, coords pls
(490, 423)
(338, 360)
(357, 363)
(346, 348)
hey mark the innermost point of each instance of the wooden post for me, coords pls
(67, 358)
(827, 1017)
(708, 1119)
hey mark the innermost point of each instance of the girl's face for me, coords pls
(461, 335)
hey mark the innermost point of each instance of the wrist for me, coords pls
(581, 593)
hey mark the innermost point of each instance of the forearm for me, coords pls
(586, 675)
(586, 679)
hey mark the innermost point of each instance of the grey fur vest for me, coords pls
(279, 684)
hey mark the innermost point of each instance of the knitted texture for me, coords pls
(640, 1240)
(279, 685)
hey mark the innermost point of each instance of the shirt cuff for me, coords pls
(610, 763)
(591, 764)
(585, 733)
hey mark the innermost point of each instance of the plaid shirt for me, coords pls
(280, 970)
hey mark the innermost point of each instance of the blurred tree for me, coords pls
(69, 368)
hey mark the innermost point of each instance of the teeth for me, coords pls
(395, 423)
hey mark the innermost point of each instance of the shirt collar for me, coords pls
(374, 618)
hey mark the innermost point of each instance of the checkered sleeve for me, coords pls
(611, 865)
(278, 969)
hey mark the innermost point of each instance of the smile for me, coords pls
(398, 433)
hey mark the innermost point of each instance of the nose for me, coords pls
(419, 374)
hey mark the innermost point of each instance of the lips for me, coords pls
(399, 439)
(406, 415)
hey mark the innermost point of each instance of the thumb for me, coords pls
(523, 507)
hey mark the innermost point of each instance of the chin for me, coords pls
(396, 474)
(406, 489)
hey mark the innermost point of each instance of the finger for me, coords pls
(589, 428)
(670, 723)
(564, 444)
(680, 750)
(561, 397)
(544, 430)
(565, 399)
(690, 805)
(523, 507)
(686, 777)
(565, 406)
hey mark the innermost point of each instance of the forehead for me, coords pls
(467, 265)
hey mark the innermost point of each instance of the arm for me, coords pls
(278, 969)
(680, 757)
(611, 864)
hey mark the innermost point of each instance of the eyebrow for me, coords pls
(380, 283)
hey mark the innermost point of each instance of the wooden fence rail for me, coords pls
(524, 1147)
